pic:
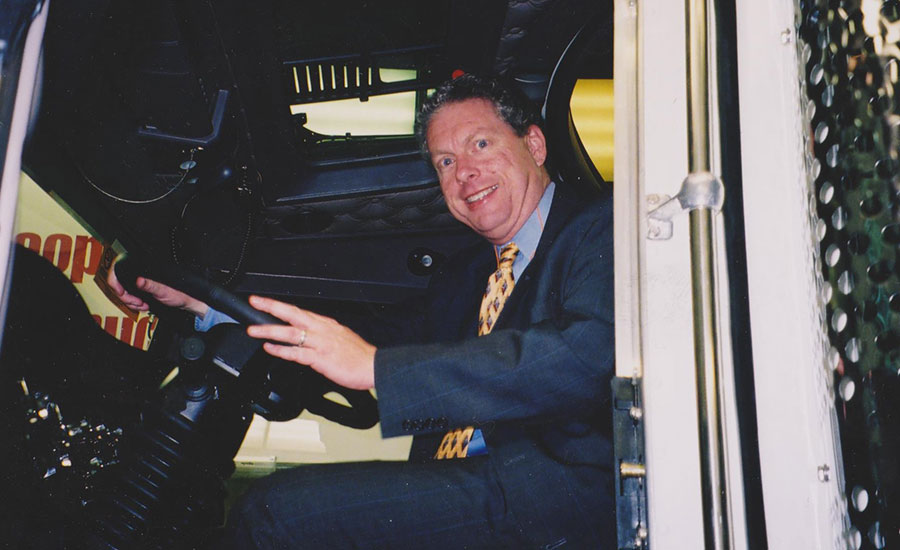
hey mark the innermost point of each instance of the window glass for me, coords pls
(391, 114)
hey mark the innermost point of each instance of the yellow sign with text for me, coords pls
(48, 229)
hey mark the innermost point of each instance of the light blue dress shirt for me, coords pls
(212, 318)
(529, 235)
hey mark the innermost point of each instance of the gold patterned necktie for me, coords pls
(500, 284)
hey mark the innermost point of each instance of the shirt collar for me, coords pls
(529, 235)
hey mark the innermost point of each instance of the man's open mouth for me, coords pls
(481, 194)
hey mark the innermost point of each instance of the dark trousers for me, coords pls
(452, 504)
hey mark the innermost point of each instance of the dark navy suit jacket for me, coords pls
(538, 385)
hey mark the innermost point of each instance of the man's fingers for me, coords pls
(130, 299)
(290, 335)
(114, 283)
(151, 287)
(328, 347)
(299, 355)
(285, 312)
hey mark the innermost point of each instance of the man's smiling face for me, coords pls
(491, 178)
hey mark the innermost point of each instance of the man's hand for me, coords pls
(163, 294)
(327, 346)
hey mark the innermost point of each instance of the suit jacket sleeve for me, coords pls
(552, 356)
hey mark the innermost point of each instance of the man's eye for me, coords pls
(481, 144)
(445, 161)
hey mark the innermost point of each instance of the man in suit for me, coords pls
(515, 390)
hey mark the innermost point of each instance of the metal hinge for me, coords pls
(698, 190)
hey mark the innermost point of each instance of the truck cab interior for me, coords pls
(198, 128)
(232, 148)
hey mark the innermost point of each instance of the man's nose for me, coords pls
(466, 169)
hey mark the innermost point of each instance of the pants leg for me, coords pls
(451, 504)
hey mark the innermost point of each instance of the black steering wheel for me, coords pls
(287, 388)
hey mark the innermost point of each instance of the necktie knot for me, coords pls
(508, 255)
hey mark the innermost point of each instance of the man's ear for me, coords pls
(537, 144)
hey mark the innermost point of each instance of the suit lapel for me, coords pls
(560, 211)
(484, 263)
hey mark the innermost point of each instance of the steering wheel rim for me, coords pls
(362, 412)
